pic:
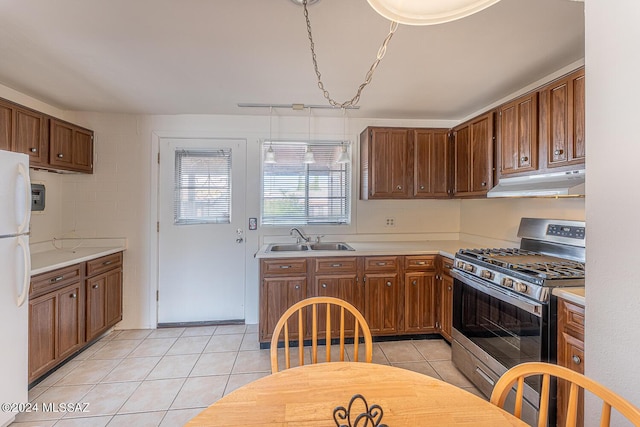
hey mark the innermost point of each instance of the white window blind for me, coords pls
(202, 186)
(295, 193)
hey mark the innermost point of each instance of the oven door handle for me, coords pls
(489, 289)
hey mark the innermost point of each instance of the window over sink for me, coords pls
(311, 193)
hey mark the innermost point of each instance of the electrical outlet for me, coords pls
(389, 221)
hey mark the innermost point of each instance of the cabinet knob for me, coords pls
(448, 288)
(95, 286)
(60, 155)
(33, 150)
(399, 187)
(422, 187)
(414, 283)
(558, 152)
(484, 184)
(524, 159)
(324, 285)
(576, 359)
(73, 295)
(297, 286)
(389, 284)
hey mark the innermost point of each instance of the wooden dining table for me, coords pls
(307, 396)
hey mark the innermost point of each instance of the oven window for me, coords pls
(508, 333)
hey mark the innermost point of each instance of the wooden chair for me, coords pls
(576, 380)
(340, 307)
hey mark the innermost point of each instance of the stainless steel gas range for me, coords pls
(504, 312)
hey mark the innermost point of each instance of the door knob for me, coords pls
(239, 240)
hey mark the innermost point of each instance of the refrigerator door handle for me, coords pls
(22, 171)
(26, 281)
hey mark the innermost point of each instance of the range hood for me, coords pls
(557, 184)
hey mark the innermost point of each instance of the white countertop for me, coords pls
(574, 295)
(446, 248)
(46, 257)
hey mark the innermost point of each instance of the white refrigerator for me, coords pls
(15, 275)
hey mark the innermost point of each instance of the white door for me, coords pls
(201, 239)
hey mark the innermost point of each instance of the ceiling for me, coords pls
(206, 56)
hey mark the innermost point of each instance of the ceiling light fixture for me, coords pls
(410, 12)
(270, 156)
(344, 153)
(428, 12)
(308, 155)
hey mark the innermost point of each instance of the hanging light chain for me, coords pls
(381, 52)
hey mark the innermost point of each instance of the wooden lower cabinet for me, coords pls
(445, 298)
(67, 311)
(570, 354)
(56, 328)
(397, 295)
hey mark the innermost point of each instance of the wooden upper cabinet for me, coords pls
(30, 135)
(562, 120)
(6, 117)
(431, 163)
(518, 135)
(385, 163)
(71, 147)
(473, 156)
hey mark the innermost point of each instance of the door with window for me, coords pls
(201, 236)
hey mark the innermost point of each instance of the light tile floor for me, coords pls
(164, 377)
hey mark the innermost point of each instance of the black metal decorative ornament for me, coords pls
(371, 416)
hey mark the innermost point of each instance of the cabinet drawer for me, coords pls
(105, 263)
(387, 263)
(52, 280)
(447, 265)
(420, 262)
(336, 265)
(572, 317)
(284, 266)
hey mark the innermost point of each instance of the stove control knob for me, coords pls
(460, 264)
(486, 274)
(520, 287)
(507, 282)
(470, 268)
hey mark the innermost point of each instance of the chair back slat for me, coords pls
(318, 306)
(576, 380)
(518, 408)
(544, 400)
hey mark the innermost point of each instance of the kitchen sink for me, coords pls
(287, 248)
(330, 247)
(338, 246)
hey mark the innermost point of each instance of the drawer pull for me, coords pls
(56, 279)
(73, 295)
(95, 286)
(107, 262)
(447, 266)
(576, 359)
(336, 265)
(420, 262)
(381, 264)
(285, 266)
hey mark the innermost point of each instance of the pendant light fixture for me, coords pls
(270, 156)
(308, 155)
(344, 150)
(428, 12)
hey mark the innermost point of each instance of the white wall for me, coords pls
(612, 203)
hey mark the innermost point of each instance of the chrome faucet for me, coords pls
(300, 236)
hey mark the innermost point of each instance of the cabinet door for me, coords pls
(70, 329)
(389, 163)
(431, 163)
(113, 294)
(42, 337)
(462, 160)
(381, 302)
(482, 154)
(344, 287)
(446, 305)
(562, 120)
(6, 125)
(29, 136)
(419, 302)
(71, 147)
(277, 295)
(96, 299)
(518, 135)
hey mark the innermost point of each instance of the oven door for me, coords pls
(508, 327)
